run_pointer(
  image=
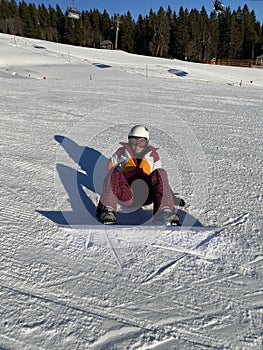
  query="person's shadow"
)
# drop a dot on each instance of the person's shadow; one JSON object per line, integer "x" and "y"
{"x": 93, "y": 170}
{"x": 85, "y": 185}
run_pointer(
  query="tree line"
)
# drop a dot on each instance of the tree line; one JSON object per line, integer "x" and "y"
{"x": 193, "y": 35}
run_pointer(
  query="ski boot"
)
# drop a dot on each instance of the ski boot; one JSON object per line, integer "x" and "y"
{"x": 106, "y": 216}
{"x": 167, "y": 217}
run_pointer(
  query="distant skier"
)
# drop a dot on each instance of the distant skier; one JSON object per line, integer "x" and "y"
{"x": 136, "y": 178}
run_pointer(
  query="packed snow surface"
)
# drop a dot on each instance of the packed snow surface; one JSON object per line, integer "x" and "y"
{"x": 63, "y": 112}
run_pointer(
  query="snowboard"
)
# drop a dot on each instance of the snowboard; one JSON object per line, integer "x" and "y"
{"x": 148, "y": 227}
{"x": 137, "y": 219}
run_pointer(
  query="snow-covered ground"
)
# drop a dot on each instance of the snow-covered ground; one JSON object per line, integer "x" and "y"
{"x": 63, "y": 111}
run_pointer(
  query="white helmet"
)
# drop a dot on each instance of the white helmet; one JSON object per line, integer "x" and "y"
{"x": 139, "y": 131}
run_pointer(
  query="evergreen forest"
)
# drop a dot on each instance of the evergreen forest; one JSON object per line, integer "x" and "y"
{"x": 189, "y": 34}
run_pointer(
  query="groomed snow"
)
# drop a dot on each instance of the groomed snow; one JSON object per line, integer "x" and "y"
{"x": 63, "y": 111}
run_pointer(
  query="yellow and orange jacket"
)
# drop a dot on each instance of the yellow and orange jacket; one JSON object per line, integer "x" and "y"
{"x": 130, "y": 166}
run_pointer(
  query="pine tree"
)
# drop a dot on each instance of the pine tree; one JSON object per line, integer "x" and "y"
{"x": 205, "y": 37}
{"x": 224, "y": 34}
{"x": 213, "y": 37}
{"x": 95, "y": 20}
{"x": 52, "y": 34}
{"x": 251, "y": 36}
{"x": 172, "y": 46}
{"x": 33, "y": 25}
{"x": 159, "y": 45}
{"x": 236, "y": 35}
{"x": 4, "y": 16}
{"x": 181, "y": 34}
{"x": 25, "y": 14}
{"x": 10, "y": 21}
{"x": 259, "y": 43}
{"x": 142, "y": 35}
{"x": 60, "y": 26}
{"x": 105, "y": 26}
{"x": 43, "y": 17}
{"x": 127, "y": 32}
{"x": 196, "y": 36}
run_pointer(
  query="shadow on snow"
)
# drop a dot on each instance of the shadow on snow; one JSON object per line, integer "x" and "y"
{"x": 177, "y": 72}
{"x": 101, "y": 65}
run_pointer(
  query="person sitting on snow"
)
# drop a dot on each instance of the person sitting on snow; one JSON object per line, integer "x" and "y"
{"x": 137, "y": 160}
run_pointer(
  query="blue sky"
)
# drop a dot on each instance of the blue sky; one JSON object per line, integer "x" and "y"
{"x": 143, "y": 7}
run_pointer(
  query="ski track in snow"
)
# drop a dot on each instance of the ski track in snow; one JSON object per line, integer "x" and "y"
{"x": 61, "y": 115}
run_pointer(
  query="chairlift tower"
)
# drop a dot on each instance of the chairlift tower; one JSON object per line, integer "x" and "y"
{"x": 117, "y": 20}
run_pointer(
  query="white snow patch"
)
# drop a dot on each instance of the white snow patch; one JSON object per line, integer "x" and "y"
{"x": 63, "y": 111}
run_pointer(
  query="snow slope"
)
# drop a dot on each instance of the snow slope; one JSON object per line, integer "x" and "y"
{"x": 63, "y": 111}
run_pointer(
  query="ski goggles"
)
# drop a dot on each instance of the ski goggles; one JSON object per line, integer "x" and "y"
{"x": 138, "y": 141}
